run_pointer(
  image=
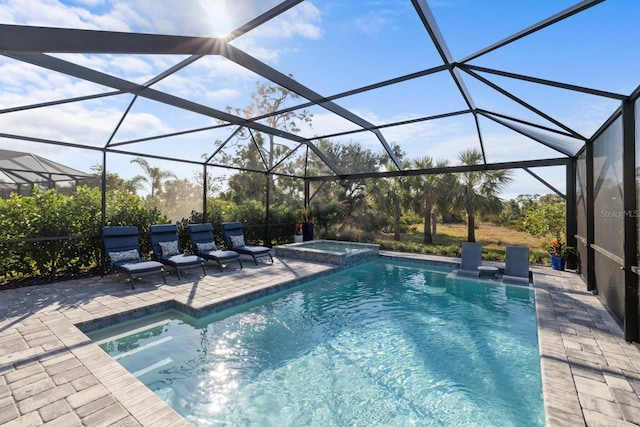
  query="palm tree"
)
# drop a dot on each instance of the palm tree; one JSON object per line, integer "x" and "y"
{"x": 426, "y": 188}
{"x": 388, "y": 194}
{"x": 154, "y": 175}
{"x": 479, "y": 190}
{"x": 445, "y": 188}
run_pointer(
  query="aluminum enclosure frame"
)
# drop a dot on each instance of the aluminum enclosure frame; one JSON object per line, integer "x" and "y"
{"x": 37, "y": 45}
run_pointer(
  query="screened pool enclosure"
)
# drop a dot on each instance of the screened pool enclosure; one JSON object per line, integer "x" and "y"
{"x": 281, "y": 90}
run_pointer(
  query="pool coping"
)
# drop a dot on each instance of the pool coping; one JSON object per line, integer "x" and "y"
{"x": 51, "y": 372}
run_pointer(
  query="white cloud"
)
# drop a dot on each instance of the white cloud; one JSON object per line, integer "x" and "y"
{"x": 375, "y": 23}
{"x": 76, "y": 124}
{"x": 223, "y": 95}
{"x": 24, "y": 84}
{"x": 303, "y": 20}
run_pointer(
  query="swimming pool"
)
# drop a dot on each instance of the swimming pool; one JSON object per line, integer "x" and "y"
{"x": 384, "y": 343}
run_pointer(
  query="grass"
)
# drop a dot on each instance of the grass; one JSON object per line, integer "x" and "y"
{"x": 449, "y": 238}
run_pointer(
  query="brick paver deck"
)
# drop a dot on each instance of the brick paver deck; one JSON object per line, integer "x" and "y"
{"x": 52, "y": 374}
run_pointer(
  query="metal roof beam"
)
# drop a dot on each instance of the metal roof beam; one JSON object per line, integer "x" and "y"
{"x": 285, "y": 157}
{"x": 400, "y": 123}
{"x": 450, "y": 169}
{"x": 151, "y": 82}
{"x": 549, "y": 186}
{"x": 49, "y": 141}
{"x": 78, "y": 71}
{"x": 225, "y": 142}
{"x": 536, "y": 27}
{"x": 477, "y": 123}
{"x": 267, "y": 16}
{"x": 60, "y": 102}
{"x": 515, "y": 129}
{"x": 29, "y": 39}
{"x": 169, "y": 135}
{"x": 361, "y": 89}
{"x": 68, "y": 68}
{"x": 250, "y": 63}
{"x": 524, "y": 122}
{"x": 25, "y": 39}
{"x": 545, "y": 82}
{"x": 431, "y": 25}
{"x": 525, "y": 104}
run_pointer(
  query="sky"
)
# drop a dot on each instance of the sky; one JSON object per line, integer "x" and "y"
{"x": 330, "y": 46}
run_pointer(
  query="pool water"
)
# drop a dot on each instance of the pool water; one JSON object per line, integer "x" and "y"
{"x": 382, "y": 344}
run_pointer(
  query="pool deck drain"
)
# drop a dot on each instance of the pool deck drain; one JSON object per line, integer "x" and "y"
{"x": 52, "y": 374}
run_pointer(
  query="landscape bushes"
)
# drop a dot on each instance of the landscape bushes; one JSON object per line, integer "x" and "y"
{"x": 50, "y": 234}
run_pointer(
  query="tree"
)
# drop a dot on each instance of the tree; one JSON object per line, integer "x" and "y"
{"x": 351, "y": 157}
{"x": 154, "y": 175}
{"x": 426, "y": 189}
{"x": 247, "y": 185}
{"x": 266, "y": 100}
{"x": 180, "y": 197}
{"x": 389, "y": 195}
{"x": 214, "y": 183}
{"x": 115, "y": 182}
{"x": 546, "y": 218}
{"x": 479, "y": 190}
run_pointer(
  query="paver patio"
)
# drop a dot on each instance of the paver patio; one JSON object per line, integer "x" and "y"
{"x": 52, "y": 374}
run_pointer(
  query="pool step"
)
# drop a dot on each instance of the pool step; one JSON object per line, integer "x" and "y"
{"x": 150, "y": 368}
{"x": 143, "y": 347}
{"x": 130, "y": 332}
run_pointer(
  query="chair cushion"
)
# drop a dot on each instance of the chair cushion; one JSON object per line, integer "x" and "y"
{"x": 206, "y": 246}
{"x": 253, "y": 250}
{"x": 237, "y": 241}
{"x": 169, "y": 248}
{"x": 181, "y": 259}
{"x": 124, "y": 255}
{"x": 219, "y": 255}
{"x": 137, "y": 266}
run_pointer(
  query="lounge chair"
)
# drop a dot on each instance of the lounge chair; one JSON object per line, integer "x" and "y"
{"x": 234, "y": 239}
{"x": 470, "y": 260}
{"x": 204, "y": 245}
{"x": 166, "y": 249}
{"x": 122, "y": 253}
{"x": 516, "y": 263}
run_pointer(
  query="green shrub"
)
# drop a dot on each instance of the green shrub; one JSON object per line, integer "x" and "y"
{"x": 61, "y": 233}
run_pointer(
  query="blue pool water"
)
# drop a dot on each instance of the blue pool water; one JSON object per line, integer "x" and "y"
{"x": 381, "y": 344}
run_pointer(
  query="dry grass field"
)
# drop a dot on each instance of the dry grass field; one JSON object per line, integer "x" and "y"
{"x": 490, "y": 235}
{"x": 449, "y": 238}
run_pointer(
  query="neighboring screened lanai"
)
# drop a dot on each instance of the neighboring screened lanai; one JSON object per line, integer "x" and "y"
{"x": 21, "y": 172}
{"x": 545, "y": 88}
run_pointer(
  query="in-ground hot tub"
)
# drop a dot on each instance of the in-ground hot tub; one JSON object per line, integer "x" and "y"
{"x": 329, "y": 251}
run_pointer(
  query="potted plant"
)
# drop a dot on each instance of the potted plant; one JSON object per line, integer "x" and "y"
{"x": 558, "y": 252}
{"x": 297, "y": 237}
{"x": 307, "y": 225}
